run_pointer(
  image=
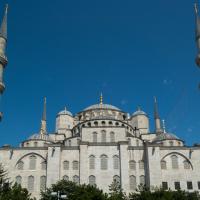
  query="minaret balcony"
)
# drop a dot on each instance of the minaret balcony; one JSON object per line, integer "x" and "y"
{"x": 2, "y": 87}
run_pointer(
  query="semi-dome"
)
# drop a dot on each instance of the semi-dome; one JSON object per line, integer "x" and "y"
{"x": 65, "y": 112}
{"x": 102, "y": 106}
{"x": 165, "y": 136}
{"x": 38, "y": 136}
{"x": 138, "y": 112}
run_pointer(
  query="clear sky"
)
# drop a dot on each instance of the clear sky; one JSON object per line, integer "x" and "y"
{"x": 70, "y": 51}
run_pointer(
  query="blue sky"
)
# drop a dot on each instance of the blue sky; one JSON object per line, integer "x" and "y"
{"x": 70, "y": 51}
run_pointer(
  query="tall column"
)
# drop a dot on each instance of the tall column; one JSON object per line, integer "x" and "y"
{"x": 83, "y": 162}
{"x": 124, "y": 171}
{"x": 53, "y": 165}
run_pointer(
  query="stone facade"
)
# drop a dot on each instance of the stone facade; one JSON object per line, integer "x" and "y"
{"x": 98, "y": 145}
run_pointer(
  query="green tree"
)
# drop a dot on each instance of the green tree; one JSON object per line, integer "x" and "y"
{"x": 9, "y": 191}
{"x": 116, "y": 193}
{"x": 160, "y": 194}
{"x": 74, "y": 191}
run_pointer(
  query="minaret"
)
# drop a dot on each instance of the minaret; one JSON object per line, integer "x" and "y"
{"x": 158, "y": 128}
{"x": 197, "y": 36}
{"x": 101, "y": 99}
{"x": 3, "y": 42}
{"x": 3, "y": 58}
{"x": 43, "y": 129}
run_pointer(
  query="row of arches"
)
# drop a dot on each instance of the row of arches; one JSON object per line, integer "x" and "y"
{"x": 116, "y": 179}
{"x": 103, "y": 162}
{"x": 103, "y": 137}
{"x": 175, "y": 163}
{"x": 32, "y": 164}
{"x": 66, "y": 165}
{"x": 31, "y": 182}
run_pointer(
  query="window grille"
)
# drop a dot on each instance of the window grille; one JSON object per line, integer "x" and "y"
{"x": 19, "y": 180}
{"x": 32, "y": 162}
{"x": 132, "y": 165}
{"x": 142, "y": 180}
{"x": 20, "y": 165}
{"x": 104, "y": 162}
{"x": 92, "y": 180}
{"x": 42, "y": 183}
{"x": 66, "y": 165}
{"x": 75, "y": 165}
{"x": 174, "y": 159}
{"x": 116, "y": 162}
{"x": 30, "y": 183}
{"x": 112, "y": 137}
{"x": 92, "y": 162}
{"x": 163, "y": 164}
{"x": 133, "y": 184}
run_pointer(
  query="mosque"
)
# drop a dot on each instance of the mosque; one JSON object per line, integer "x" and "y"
{"x": 98, "y": 145}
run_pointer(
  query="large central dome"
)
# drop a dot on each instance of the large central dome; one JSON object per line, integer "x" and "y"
{"x": 101, "y": 106}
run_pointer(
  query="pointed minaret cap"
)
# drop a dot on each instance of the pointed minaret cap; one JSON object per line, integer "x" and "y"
{"x": 43, "y": 129}
{"x": 163, "y": 126}
{"x": 156, "y": 114}
{"x": 3, "y": 28}
{"x": 101, "y": 99}
{"x": 44, "y": 115}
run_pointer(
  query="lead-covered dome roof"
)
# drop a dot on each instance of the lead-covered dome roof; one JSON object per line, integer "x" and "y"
{"x": 165, "y": 136}
{"x": 38, "y": 136}
{"x": 102, "y": 106}
{"x": 65, "y": 112}
{"x": 138, "y": 112}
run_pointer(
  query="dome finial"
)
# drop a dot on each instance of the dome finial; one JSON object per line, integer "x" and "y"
{"x": 101, "y": 99}
{"x": 163, "y": 124}
{"x": 139, "y": 108}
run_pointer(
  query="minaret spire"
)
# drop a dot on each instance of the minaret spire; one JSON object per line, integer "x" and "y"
{"x": 3, "y": 58}
{"x": 3, "y": 29}
{"x": 43, "y": 129}
{"x": 158, "y": 128}
{"x": 101, "y": 99}
{"x": 197, "y": 35}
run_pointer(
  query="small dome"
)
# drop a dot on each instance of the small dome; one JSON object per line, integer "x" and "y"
{"x": 102, "y": 106}
{"x": 165, "y": 136}
{"x": 138, "y": 112}
{"x": 39, "y": 137}
{"x": 65, "y": 112}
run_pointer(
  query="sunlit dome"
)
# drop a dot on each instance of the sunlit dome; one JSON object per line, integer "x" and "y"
{"x": 102, "y": 106}
{"x": 138, "y": 112}
{"x": 65, "y": 112}
{"x": 165, "y": 136}
{"x": 38, "y": 136}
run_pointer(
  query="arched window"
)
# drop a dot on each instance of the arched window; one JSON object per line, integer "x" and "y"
{"x": 42, "y": 183}
{"x": 19, "y": 180}
{"x": 116, "y": 179}
{"x": 66, "y": 165}
{"x": 92, "y": 162}
{"x": 92, "y": 180}
{"x": 94, "y": 135}
{"x": 35, "y": 144}
{"x": 76, "y": 179}
{"x": 75, "y": 165}
{"x": 171, "y": 143}
{"x": 66, "y": 178}
{"x": 43, "y": 165}
{"x": 104, "y": 162}
{"x": 186, "y": 164}
{"x": 129, "y": 141}
{"x": 112, "y": 137}
{"x": 142, "y": 180}
{"x": 20, "y": 165}
{"x": 132, "y": 165}
{"x": 96, "y": 123}
{"x": 103, "y": 136}
{"x": 174, "y": 159}
{"x": 137, "y": 143}
{"x": 133, "y": 184}
{"x": 116, "y": 162}
{"x": 30, "y": 183}
{"x": 163, "y": 164}
{"x": 141, "y": 164}
{"x": 32, "y": 163}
